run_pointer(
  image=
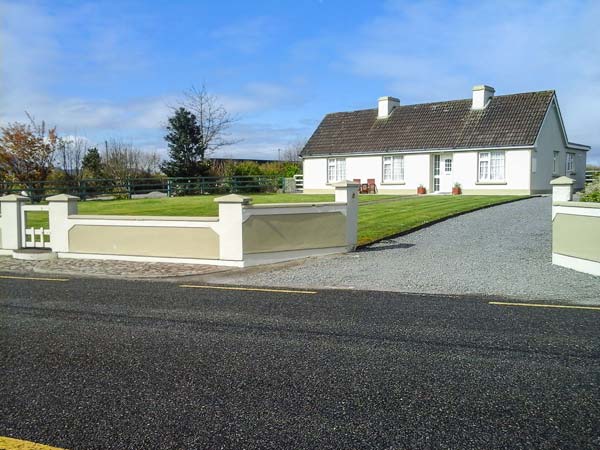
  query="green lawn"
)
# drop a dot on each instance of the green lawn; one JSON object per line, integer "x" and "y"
{"x": 376, "y": 221}
{"x": 379, "y": 215}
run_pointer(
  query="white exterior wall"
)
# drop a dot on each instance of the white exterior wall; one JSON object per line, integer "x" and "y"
{"x": 551, "y": 139}
{"x": 417, "y": 170}
{"x": 580, "y": 166}
{"x": 314, "y": 171}
{"x": 516, "y": 172}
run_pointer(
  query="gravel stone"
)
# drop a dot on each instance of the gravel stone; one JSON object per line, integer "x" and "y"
{"x": 501, "y": 251}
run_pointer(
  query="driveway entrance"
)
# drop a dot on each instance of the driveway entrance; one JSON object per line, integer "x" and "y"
{"x": 502, "y": 251}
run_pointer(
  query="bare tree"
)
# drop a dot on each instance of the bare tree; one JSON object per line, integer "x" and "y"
{"x": 292, "y": 151}
{"x": 212, "y": 117}
{"x": 122, "y": 161}
{"x": 69, "y": 155}
{"x": 149, "y": 163}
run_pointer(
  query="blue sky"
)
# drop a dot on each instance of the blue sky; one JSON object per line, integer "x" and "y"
{"x": 107, "y": 69}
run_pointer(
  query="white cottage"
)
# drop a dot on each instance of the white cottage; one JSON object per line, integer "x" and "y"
{"x": 507, "y": 144}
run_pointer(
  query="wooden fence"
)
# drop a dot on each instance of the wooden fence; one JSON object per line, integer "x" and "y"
{"x": 590, "y": 175}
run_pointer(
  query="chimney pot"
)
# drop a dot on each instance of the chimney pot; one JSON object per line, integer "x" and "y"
{"x": 481, "y": 95}
{"x": 386, "y": 105}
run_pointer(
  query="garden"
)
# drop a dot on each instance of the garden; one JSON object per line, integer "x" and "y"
{"x": 380, "y": 216}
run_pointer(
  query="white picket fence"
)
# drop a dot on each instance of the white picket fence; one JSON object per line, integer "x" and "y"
{"x": 34, "y": 237}
{"x": 299, "y": 179}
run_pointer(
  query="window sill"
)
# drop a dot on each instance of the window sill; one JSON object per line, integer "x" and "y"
{"x": 393, "y": 183}
{"x": 491, "y": 183}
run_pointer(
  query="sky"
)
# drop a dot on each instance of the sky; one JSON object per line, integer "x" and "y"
{"x": 114, "y": 69}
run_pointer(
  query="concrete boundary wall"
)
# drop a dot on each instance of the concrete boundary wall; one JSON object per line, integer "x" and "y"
{"x": 244, "y": 234}
{"x": 575, "y": 230}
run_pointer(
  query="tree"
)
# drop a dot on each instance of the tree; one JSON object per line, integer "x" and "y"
{"x": 292, "y": 151}
{"x": 27, "y": 152}
{"x": 212, "y": 118}
{"x": 69, "y": 156}
{"x": 92, "y": 163}
{"x": 187, "y": 146}
{"x": 121, "y": 160}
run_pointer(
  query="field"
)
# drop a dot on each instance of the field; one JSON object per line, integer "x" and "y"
{"x": 379, "y": 216}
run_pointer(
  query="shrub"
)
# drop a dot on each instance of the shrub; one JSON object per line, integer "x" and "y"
{"x": 592, "y": 191}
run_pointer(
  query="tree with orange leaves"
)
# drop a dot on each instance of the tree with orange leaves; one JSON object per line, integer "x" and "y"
{"x": 27, "y": 152}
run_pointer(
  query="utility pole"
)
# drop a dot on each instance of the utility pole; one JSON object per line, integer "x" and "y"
{"x": 279, "y": 154}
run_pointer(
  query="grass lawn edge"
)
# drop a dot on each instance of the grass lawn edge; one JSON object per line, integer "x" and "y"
{"x": 442, "y": 219}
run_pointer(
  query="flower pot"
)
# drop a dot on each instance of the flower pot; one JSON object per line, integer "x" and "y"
{"x": 456, "y": 191}
{"x": 421, "y": 190}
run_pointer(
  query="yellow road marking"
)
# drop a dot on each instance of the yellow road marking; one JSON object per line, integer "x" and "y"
{"x": 7, "y": 443}
{"x": 538, "y": 305}
{"x": 7, "y": 277}
{"x": 228, "y": 288}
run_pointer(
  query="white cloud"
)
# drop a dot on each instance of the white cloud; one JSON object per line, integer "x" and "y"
{"x": 33, "y": 59}
{"x": 431, "y": 51}
{"x": 261, "y": 140}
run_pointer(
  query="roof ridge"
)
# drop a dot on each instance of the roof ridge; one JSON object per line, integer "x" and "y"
{"x": 546, "y": 91}
{"x": 509, "y": 120}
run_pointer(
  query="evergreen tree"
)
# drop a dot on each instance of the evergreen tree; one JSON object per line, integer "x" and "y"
{"x": 92, "y": 163}
{"x": 186, "y": 146}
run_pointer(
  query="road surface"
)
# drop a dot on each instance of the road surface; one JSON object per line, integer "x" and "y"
{"x": 91, "y": 363}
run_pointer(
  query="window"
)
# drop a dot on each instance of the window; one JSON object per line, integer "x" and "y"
{"x": 491, "y": 166}
{"x": 436, "y": 173}
{"x": 533, "y": 164}
{"x": 555, "y": 162}
{"x": 570, "y": 162}
{"x": 336, "y": 169}
{"x": 448, "y": 165}
{"x": 393, "y": 169}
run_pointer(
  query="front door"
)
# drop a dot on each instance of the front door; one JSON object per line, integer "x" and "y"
{"x": 442, "y": 172}
{"x": 446, "y": 175}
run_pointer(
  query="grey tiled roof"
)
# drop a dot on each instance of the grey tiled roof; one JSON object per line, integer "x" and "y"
{"x": 508, "y": 120}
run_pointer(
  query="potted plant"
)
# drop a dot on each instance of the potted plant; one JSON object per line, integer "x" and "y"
{"x": 421, "y": 190}
{"x": 456, "y": 190}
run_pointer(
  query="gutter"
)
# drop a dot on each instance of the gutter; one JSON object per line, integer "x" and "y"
{"x": 418, "y": 151}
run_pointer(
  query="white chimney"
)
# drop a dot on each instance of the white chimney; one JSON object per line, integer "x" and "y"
{"x": 386, "y": 105}
{"x": 481, "y": 95}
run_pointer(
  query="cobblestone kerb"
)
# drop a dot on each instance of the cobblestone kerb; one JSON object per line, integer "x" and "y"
{"x": 109, "y": 269}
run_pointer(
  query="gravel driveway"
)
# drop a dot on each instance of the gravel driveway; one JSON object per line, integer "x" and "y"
{"x": 501, "y": 251}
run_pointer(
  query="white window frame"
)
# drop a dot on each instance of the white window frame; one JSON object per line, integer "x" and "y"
{"x": 446, "y": 169}
{"x": 570, "y": 163}
{"x": 339, "y": 169}
{"x": 396, "y": 169}
{"x": 488, "y": 157}
{"x": 555, "y": 156}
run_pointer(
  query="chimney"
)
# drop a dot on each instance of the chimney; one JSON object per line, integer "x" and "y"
{"x": 481, "y": 95}
{"x": 386, "y": 105}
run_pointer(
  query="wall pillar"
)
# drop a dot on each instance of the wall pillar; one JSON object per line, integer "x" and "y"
{"x": 231, "y": 212}
{"x": 60, "y": 207}
{"x": 562, "y": 189}
{"x": 347, "y": 192}
{"x": 10, "y": 221}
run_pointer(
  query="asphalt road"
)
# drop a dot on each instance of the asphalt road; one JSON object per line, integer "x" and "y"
{"x": 105, "y": 364}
